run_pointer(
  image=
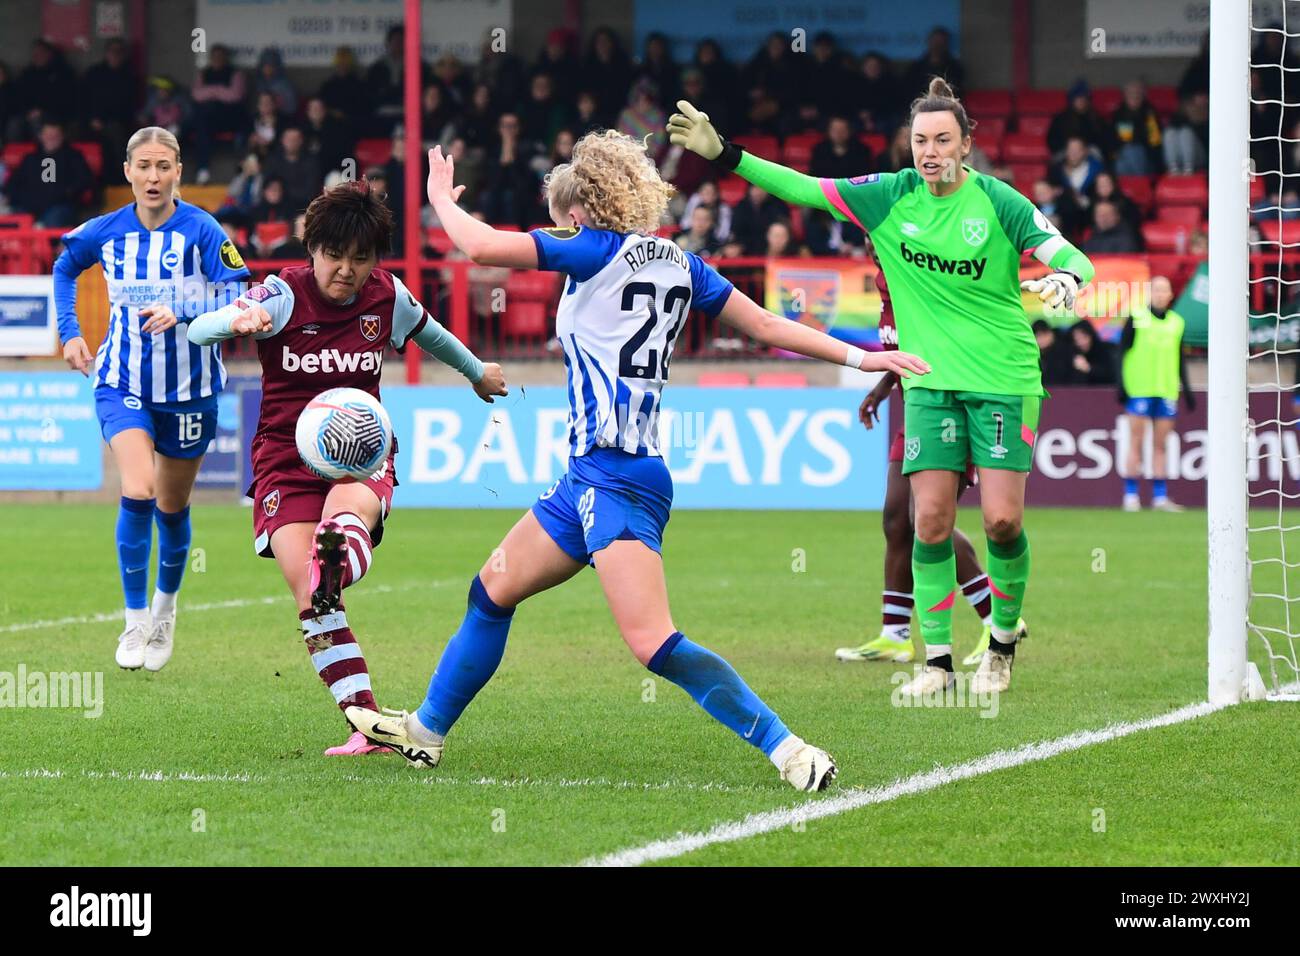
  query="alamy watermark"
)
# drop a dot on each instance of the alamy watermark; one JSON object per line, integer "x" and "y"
{"x": 73, "y": 690}
{"x": 958, "y": 693}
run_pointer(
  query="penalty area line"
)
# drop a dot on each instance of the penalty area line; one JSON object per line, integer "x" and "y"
{"x": 770, "y": 820}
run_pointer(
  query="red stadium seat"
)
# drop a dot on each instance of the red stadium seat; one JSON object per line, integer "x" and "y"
{"x": 987, "y": 103}
{"x": 1019, "y": 148}
{"x": 373, "y": 152}
{"x": 271, "y": 234}
{"x": 1176, "y": 269}
{"x": 1187, "y": 215}
{"x": 531, "y": 285}
{"x": 1040, "y": 102}
{"x": 993, "y": 127}
{"x": 1287, "y": 231}
{"x": 723, "y": 380}
{"x": 1026, "y": 174}
{"x": 1164, "y": 99}
{"x": 93, "y": 153}
{"x": 15, "y": 152}
{"x": 1191, "y": 190}
{"x": 797, "y": 151}
{"x": 17, "y": 220}
{"x": 876, "y": 142}
{"x": 1138, "y": 189}
{"x": 732, "y": 189}
{"x": 781, "y": 380}
{"x": 1166, "y": 236}
{"x": 1034, "y": 126}
{"x": 439, "y": 241}
{"x": 1257, "y": 191}
{"x": 1106, "y": 99}
{"x": 525, "y": 320}
{"x": 766, "y": 147}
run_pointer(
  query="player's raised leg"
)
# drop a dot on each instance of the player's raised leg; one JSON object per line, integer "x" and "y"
{"x": 133, "y": 453}
{"x": 174, "y": 480}
{"x": 527, "y": 562}
{"x": 341, "y": 548}
{"x": 632, "y": 576}
{"x": 1003, "y": 496}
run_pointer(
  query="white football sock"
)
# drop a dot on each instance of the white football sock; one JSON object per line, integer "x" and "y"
{"x": 164, "y": 604}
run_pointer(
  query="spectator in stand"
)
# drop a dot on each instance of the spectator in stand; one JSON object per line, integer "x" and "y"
{"x": 384, "y": 85}
{"x": 700, "y": 238}
{"x": 10, "y": 108}
{"x": 456, "y": 82}
{"x": 658, "y": 69}
{"x": 166, "y": 106}
{"x": 1045, "y": 337}
{"x": 272, "y": 207}
{"x": 1187, "y": 137}
{"x": 478, "y": 125}
{"x": 542, "y": 115}
{"x": 1076, "y": 170}
{"x": 394, "y": 173}
{"x": 708, "y": 196}
{"x": 767, "y": 117}
{"x": 775, "y": 74}
{"x": 1265, "y": 121}
{"x": 1135, "y": 132}
{"x": 720, "y": 77}
{"x": 51, "y": 200}
{"x": 1105, "y": 188}
{"x": 1058, "y": 205}
{"x": 510, "y": 189}
{"x": 561, "y": 152}
{"x": 607, "y": 73}
{"x": 899, "y": 154}
{"x": 588, "y": 117}
{"x": 1198, "y": 244}
{"x": 840, "y": 154}
{"x": 877, "y": 95}
{"x": 45, "y": 89}
{"x": 218, "y": 94}
{"x": 695, "y": 89}
{"x": 1110, "y": 234}
{"x": 327, "y": 138}
{"x": 1082, "y": 358}
{"x": 826, "y": 85}
{"x": 344, "y": 92}
{"x": 245, "y": 190}
{"x": 1273, "y": 58}
{"x": 749, "y": 222}
{"x": 498, "y": 69}
{"x": 780, "y": 242}
{"x": 271, "y": 78}
{"x": 557, "y": 61}
{"x": 437, "y": 116}
{"x": 642, "y": 117}
{"x": 1196, "y": 78}
{"x": 299, "y": 169}
{"x": 109, "y": 100}
{"x": 293, "y": 247}
{"x": 1078, "y": 119}
{"x": 264, "y": 127}
{"x": 936, "y": 61}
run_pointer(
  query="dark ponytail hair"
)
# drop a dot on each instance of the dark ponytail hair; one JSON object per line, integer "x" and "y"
{"x": 939, "y": 98}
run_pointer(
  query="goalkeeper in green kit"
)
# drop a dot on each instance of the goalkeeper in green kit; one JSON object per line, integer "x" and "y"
{"x": 949, "y": 240}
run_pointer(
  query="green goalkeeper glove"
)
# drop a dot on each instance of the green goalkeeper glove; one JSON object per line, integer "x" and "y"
{"x": 692, "y": 130}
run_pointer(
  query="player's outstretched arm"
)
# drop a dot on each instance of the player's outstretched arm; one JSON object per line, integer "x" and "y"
{"x": 691, "y": 129}
{"x": 745, "y": 315}
{"x": 483, "y": 244}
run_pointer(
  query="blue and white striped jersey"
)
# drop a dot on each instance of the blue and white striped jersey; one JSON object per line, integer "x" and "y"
{"x": 187, "y": 264}
{"x": 623, "y": 307}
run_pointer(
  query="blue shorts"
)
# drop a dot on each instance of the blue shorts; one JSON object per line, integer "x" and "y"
{"x": 178, "y": 429}
{"x": 1152, "y": 407}
{"x": 607, "y": 495}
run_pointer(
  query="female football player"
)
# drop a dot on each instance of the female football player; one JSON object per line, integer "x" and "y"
{"x": 155, "y": 393}
{"x": 320, "y": 326}
{"x": 627, "y": 298}
{"x": 950, "y": 241}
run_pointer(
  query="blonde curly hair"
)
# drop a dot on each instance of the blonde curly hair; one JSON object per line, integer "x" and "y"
{"x": 613, "y": 178}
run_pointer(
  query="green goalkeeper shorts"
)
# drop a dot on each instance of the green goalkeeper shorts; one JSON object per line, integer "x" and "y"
{"x": 944, "y": 430}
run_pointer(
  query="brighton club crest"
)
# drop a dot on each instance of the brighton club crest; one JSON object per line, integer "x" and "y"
{"x": 370, "y": 327}
{"x": 975, "y": 231}
{"x": 271, "y": 503}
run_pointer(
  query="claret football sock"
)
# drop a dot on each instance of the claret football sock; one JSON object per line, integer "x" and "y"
{"x": 1008, "y": 566}
{"x": 359, "y": 547}
{"x": 174, "y": 537}
{"x": 895, "y": 613}
{"x": 979, "y": 597}
{"x": 468, "y": 661}
{"x": 134, "y": 537}
{"x": 337, "y": 657}
{"x": 715, "y": 686}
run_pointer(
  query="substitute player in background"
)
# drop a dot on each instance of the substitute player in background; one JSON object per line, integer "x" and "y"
{"x": 627, "y": 298}
{"x": 320, "y": 326}
{"x": 1151, "y": 373}
{"x": 950, "y": 240}
{"x": 164, "y": 261}
{"x": 894, "y": 643}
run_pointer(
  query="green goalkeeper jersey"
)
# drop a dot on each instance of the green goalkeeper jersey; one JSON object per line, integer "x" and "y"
{"x": 953, "y": 264}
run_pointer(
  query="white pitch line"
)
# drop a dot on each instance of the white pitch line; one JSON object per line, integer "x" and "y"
{"x": 213, "y": 606}
{"x": 770, "y": 820}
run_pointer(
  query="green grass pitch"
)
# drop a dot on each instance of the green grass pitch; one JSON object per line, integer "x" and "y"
{"x": 574, "y": 751}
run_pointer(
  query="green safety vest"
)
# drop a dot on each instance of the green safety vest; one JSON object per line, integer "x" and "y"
{"x": 1151, "y": 364}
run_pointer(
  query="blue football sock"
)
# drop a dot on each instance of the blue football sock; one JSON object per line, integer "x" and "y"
{"x": 1158, "y": 488}
{"x": 134, "y": 536}
{"x": 715, "y": 686}
{"x": 1130, "y": 486}
{"x": 468, "y": 662}
{"x": 173, "y": 548}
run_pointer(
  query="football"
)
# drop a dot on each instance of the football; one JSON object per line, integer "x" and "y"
{"x": 344, "y": 433}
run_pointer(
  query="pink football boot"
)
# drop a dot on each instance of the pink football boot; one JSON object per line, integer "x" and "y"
{"x": 357, "y": 745}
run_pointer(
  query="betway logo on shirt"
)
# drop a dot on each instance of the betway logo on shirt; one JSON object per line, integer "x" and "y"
{"x": 331, "y": 360}
{"x": 958, "y": 267}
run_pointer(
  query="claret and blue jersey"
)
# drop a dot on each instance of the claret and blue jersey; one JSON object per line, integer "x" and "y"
{"x": 623, "y": 307}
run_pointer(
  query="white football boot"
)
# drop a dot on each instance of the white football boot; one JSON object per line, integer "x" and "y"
{"x": 809, "y": 768}
{"x": 391, "y": 729}
{"x": 159, "y": 649}
{"x": 928, "y": 680}
{"x": 1132, "y": 503}
{"x": 130, "y": 645}
{"x": 1166, "y": 504}
{"x": 994, "y": 674}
